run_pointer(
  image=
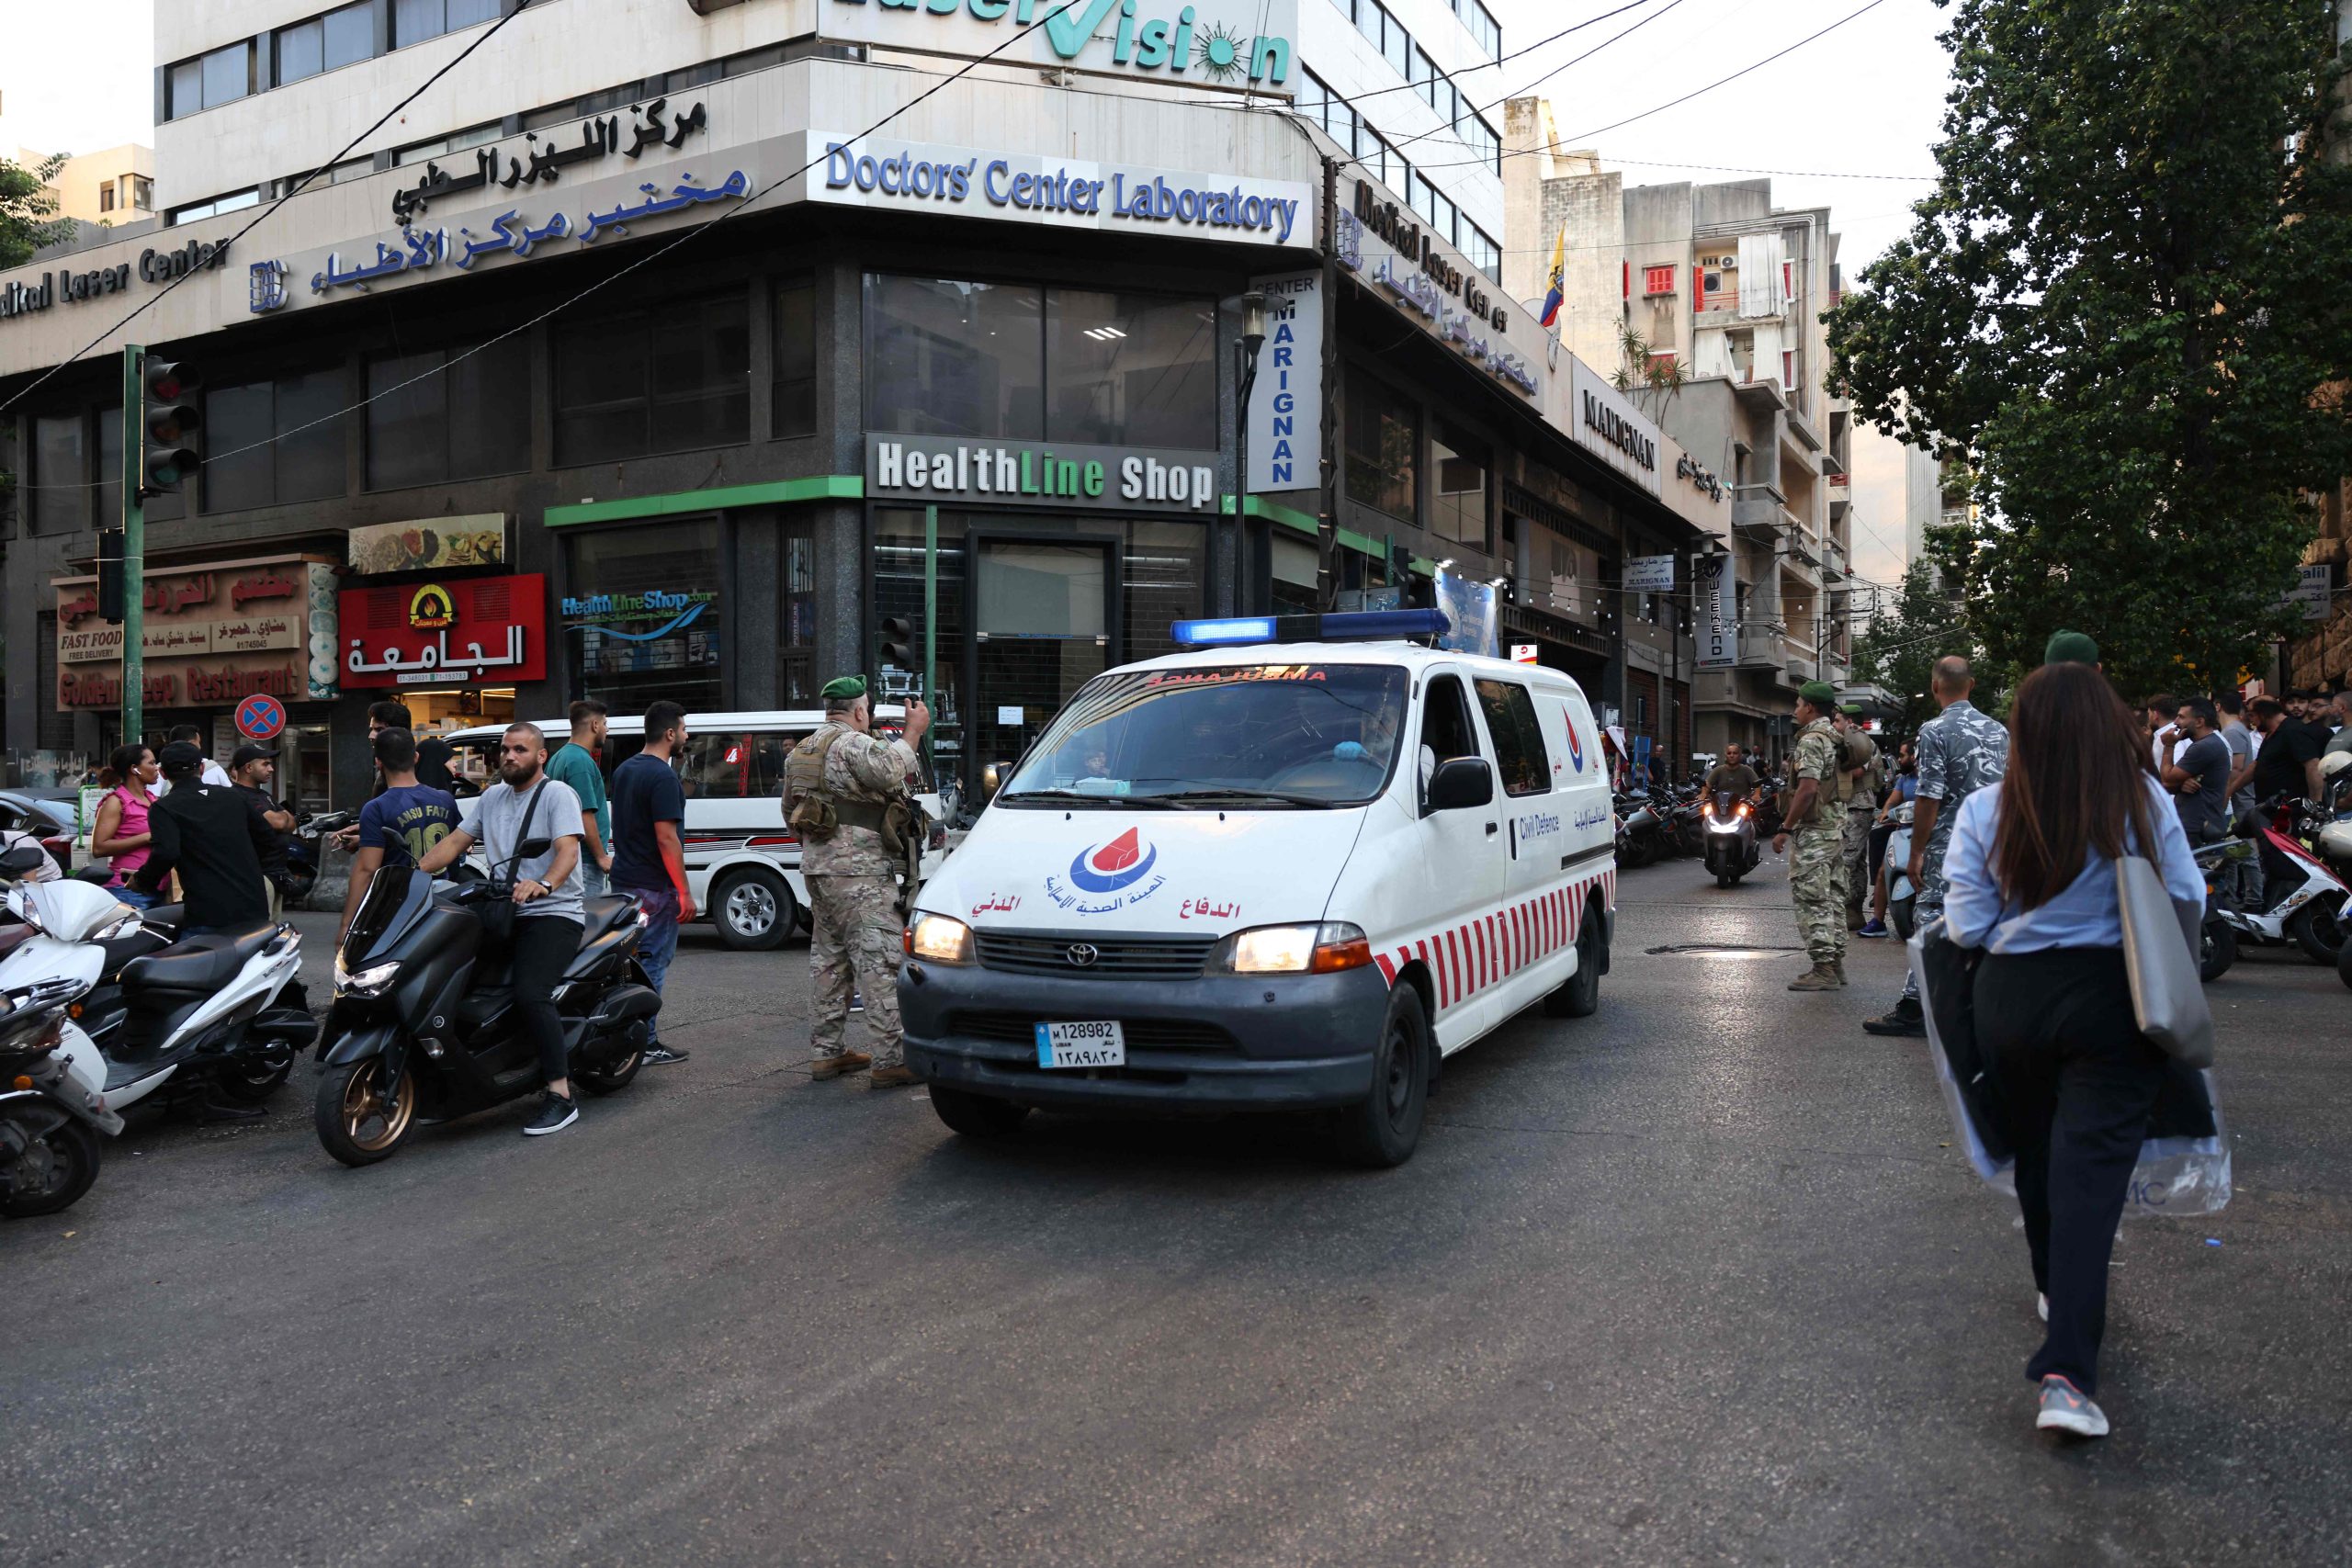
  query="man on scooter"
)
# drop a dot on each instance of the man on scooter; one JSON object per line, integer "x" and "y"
{"x": 1732, "y": 773}
{"x": 549, "y": 898}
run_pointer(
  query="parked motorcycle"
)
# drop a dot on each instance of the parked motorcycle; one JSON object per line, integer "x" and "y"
{"x": 303, "y": 857}
{"x": 2300, "y": 903}
{"x": 1902, "y": 897}
{"x": 1641, "y": 834}
{"x": 1733, "y": 849}
{"x": 52, "y": 1100}
{"x": 425, "y": 1026}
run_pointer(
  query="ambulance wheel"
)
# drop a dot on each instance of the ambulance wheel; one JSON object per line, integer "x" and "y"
{"x": 753, "y": 909}
{"x": 1580, "y": 997}
{"x": 1383, "y": 1130}
{"x": 975, "y": 1115}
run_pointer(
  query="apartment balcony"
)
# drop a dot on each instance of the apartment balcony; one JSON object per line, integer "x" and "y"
{"x": 1763, "y": 647}
{"x": 1801, "y": 426}
{"x": 1841, "y": 490}
{"x": 1800, "y": 660}
{"x": 1759, "y": 396}
{"x": 1835, "y": 561}
{"x": 1760, "y": 512}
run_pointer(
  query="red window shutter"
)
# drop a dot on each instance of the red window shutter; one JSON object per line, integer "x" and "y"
{"x": 1629, "y": 279}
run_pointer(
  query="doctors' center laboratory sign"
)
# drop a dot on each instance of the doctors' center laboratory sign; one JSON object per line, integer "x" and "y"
{"x": 1244, "y": 45}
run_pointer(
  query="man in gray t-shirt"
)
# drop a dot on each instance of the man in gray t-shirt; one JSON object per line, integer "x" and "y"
{"x": 548, "y": 898}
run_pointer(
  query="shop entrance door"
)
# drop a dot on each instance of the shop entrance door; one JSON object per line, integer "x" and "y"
{"x": 1043, "y": 619}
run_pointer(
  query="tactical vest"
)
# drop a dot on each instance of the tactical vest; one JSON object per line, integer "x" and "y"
{"x": 811, "y": 808}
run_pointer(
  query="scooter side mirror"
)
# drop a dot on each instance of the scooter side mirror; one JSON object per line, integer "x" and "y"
{"x": 532, "y": 849}
{"x": 21, "y": 860}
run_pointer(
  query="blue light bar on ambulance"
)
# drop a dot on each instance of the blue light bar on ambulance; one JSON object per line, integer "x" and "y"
{"x": 1346, "y": 626}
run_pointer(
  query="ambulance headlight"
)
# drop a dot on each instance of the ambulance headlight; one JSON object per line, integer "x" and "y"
{"x": 940, "y": 939}
{"x": 1322, "y": 949}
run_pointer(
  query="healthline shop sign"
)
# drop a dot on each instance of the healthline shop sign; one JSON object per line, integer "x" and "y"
{"x": 1241, "y": 44}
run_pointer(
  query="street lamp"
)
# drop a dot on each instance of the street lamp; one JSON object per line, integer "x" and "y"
{"x": 1253, "y": 338}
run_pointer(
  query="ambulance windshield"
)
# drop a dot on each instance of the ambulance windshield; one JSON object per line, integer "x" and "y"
{"x": 1278, "y": 735}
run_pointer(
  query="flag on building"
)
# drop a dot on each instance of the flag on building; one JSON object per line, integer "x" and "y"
{"x": 1556, "y": 285}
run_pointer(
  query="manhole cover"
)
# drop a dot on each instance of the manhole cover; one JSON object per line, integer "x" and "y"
{"x": 1724, "y": 947}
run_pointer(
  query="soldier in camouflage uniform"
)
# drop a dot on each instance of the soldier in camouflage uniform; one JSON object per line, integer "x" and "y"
{"x": 853, "y": 890}
{"x": 1961, "y": 751}
{"x": 1858, "y": 791}
{"x": 1817, "y": 869}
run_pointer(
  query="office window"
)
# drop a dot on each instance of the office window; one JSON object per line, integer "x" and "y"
{"x": 211, "y": 80}
{"x": 448, "y": 414}
{"x": 666, "y": 381}
{"x": 233, "y": 201}
{"x": 1484, "y": 28}
{"x": 1484, "y": 254}
{"x": 1129, "y": 370}
{"x": 794, "y": 410}
{"x": 1397, "y": 45}
{"x": 271, "y": 442}
{"x": 1458, "y": 511}
{"x": 340, "y": 37}
{"x": 60, "y": 470}
{"x": 414, "y": 21}
{"x": 143, "y": 193}
{"x": 950, "y": 359}
{"x": 441, "y": 146}
{"x": 1383, "y": 439}
{"x": 1368, "y": 18}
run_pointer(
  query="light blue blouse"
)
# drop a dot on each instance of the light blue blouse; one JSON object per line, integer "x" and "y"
{"x": 2085, "y": 915}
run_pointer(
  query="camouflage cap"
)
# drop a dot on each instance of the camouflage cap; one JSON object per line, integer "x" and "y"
{"x": 843, "y": 689}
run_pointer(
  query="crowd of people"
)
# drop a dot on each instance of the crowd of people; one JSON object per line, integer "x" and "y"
{"x": 2016, "y": 829}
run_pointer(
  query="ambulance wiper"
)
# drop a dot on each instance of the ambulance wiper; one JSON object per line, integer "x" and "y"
{"x": 1084, "y": 797}
{"x": 1228, "y": 794}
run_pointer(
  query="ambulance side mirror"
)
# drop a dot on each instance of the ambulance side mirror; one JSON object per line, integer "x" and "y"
{"x": 1460, "y": 783}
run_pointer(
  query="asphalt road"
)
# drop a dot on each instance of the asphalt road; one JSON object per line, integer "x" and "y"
{"x": 1696, "y": 1280}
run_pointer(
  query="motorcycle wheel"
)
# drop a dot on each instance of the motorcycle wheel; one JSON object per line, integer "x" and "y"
{"x": 253, "y": 1088}
{"x": 1726, "y": 879}
{"x": 1900, "y": 911}
{"x": 2319, "y": 932}
{"x": 2218, "y": 949}
{"x": 608, "y": 1080}
{"x": 353, "y": 1127}
{"x": 72, "y": 1166}
{"x": 2344, "y": 964}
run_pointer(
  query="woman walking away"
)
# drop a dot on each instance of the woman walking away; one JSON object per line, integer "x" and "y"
{"x": 2032, "y": 881}
{"x": 121, "y": 833}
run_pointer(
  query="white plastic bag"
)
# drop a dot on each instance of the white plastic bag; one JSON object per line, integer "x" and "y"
{"x": 2174, "y": 1176}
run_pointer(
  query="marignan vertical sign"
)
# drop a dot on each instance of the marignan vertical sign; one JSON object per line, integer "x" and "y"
{"x": 1718, "y": 636}
{"x": 1286, "y": 402}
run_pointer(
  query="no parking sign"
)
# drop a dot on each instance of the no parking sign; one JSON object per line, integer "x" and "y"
{"x": 260, "y": 717}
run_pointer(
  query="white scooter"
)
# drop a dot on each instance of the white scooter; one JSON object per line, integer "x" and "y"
{"x": 1901, "y": 900}
{"x": 199, "y": 1012}
{"x": 53, "y": 1081}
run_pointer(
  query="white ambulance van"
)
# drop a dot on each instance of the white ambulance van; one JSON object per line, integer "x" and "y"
{"x": 1263, "y": 875}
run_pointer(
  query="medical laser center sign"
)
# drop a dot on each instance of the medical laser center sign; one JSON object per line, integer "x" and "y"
{"x": 1069, "y": 193}
{"x": 1243, "y": 45}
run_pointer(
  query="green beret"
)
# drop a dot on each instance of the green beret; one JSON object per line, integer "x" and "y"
{"x": 843, "y": 689}
{"x": 2070, "y": 648}
{"x": 1853, "y": 710}
{"x": 1820, "y": 693}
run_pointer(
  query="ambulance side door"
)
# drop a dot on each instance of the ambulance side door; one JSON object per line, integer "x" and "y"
{"x": 1463, "y": 865}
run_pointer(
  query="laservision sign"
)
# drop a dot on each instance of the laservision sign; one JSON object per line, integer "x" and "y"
{"x": 1236, "y": 44}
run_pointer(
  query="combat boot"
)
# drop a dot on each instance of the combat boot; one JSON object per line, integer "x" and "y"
{"x": 1838, "y": 967}
{"x": 1820, "y": 977}
{"x": 899, "y": 1076}
{"x": 823, "y": 1068}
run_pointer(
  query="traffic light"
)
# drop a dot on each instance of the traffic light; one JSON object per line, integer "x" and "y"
{"x": 168, "y": 455}
{"x": 110, "y": 575}
{"x": 898, "y": 643}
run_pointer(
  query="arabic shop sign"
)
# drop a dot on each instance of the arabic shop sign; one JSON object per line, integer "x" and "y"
{"x": 1065, "y": 193}
{"x": 1377, "y": 241}
{"x": 461, "y": 632}
{"x": 504, "y": 165}
{"x": 421, "y": 249}
{"x": 1606, "y": 423}
{"x": 1214, "y": 43}
{"x": 1040, "y": 473}
{"x": 212, "y": 636}
{"x": 152, "y": 266}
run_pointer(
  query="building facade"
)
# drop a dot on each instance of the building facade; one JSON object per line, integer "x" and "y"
{"x": 639, "y": 364}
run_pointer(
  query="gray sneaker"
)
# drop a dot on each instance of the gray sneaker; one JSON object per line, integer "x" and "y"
{"x": 2066, "y": 1408}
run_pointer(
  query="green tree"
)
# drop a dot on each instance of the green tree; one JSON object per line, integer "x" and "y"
{"x": 28, "y": 212}
{"x": 1899, "y": 649}
{"x": 2123, "y": 303}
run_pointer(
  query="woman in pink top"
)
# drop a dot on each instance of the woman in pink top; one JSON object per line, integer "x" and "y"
{"x": 120, "y": 832}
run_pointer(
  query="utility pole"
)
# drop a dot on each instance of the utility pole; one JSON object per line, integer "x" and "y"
{"x": 929, "y": 632}
{"x": 1327, "y": 521}
{"x": 134, "y": 548}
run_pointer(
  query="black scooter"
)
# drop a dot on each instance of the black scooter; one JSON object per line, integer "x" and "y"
{"x": 425, "y": 1026}
{"x": 1732, "y": 850}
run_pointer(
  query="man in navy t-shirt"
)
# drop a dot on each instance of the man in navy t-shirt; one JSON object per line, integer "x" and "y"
{"x": 400, "y": 824}
{"x": 649, "y": 856}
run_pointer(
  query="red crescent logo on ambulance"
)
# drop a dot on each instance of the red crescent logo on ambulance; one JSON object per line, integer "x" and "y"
{"x": 1122, "y": 862}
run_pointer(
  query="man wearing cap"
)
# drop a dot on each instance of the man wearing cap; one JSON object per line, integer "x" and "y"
{"x": 216, "y": 840}
{"x": 1817, "y": 869}
{"x": 251, "y": 768}
{"x": 1961, "y": 751}
{"x": 839, "y": 785}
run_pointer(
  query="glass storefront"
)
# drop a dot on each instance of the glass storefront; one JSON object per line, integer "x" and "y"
{"x": 1029, "y": 609}
{"x": 640, "y": 615}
